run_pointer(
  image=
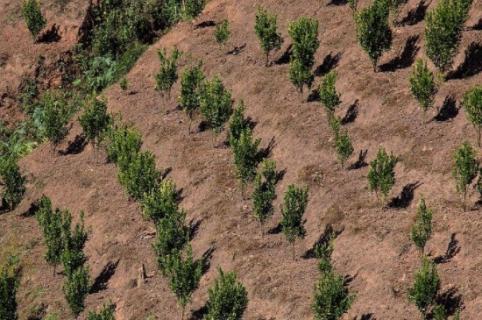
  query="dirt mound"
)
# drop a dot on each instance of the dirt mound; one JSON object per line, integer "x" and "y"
{"x": 373, "y": 250}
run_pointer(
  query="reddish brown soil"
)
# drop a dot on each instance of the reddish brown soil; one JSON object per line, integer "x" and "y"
{"x": 374, "y": 247}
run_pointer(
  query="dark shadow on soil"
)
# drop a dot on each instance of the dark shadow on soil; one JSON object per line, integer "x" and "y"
{"x": 75, "y": 147}
{"x": 237, "y": 50}
{"x": 405, "y": 197}
{"x": 50, "y": 35}
{"x": 329, "y": 63}
{"x": 205, "y": 24}
{"x": 472, "y": 64}
{"x": 451, "y": 299}
{"x": 351, "y": 114}
{"x": 101, "y": 281}
{"x": 328, "y": 234}
{"x": 415, "y": 15}
{"x": 406, "y": 57}
{"x": 361, "y": 162}
{"x": 453, "y": 248}
{"x": 448, "y": 110}
{"x": 285, "y": 57}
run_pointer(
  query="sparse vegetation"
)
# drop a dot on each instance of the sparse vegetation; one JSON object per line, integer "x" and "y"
{"x": 106, "y": 313}
{"x": 32, "y": 14}
{"x": 264, "y": 191}
{"x": 191, "y": 82}
{"x": 304, "y": 35}
{"x": 425, "y": 286}
{"x": 472, "y": 103}
{"x": 266, "y": 30}
{"x": 422, "y": 85}
{"x": 422, "y": 228}
{"x": 167, "y": 75}
{"x": 373, "y": 30}
{"x": 381, "y": 176}
{"x": 227, "y": 298}
{"x": 293, "y": 209}
{"x": 222, "y": 32}
{"x": 465, "y": 168}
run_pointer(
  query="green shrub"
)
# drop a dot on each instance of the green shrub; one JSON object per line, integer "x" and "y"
{"x": 9, "y": 281}
{"x": 51, "y": 223}
{"x": 184, "y": 275}
{"x": 216, "y": 104}
{"x": 12, "y": 182}
{"x": 422, "y": 85}
{"x": 106, "y": 313}
{"x": 443, "y": 28}
{"x": 172, "y": 236}
{"x": 140, "y": 176}
{"x": 193, "y": 8}
{"x": 76, "y": 287}
{"x": 237, "y": 123}
{"x": 293, "y": 209}
{"x": 264, "y": 191}
{"x": 323, "y": 252}
{"x": 227, "y": 298}
{"x": 123, "y": 145}
{"x": 329, "y": 97}
{"x": 191, "y": 82}
{"x": 123, "y": 84}
{"x": 73, "y": 241}
{"x": 266, "y": 30}
{"x": 56, "y": 114}
{"x": 160, "y": 202}
{"x": 167, "y": 75}
{"x": 343, "y": 146}
{"x": 373, "y": 30}
{"x": 99, "y": 72}
{"x": 381, "y": 176}
{"x": 33, "y": 16}
{"x": 422, "y": 228}
{"x": 472, "y": 103}
{"x": 465, "y": 168}
{"x": 304, "y": 35}
{"x": 439, "y": 312}
{"x": 222, "y": 32}
{"x": 246, "y": 157}
{"x": 95, "y": 121}
{"x": 331, "y": 298}
{"x": 425, "y": 286}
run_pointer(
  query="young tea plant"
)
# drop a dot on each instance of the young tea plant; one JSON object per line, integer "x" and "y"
{"x": 216, "y": 104}
{"x": 106, "y": 313}
{"x": 331, "y": 297}
{"x": 329, "y": 97}
{"x": 33, "y": 16}
{"x": 237, "y": 123}
{"x": 373, "y": 30}
{"x": 222, "y": 32}
{"x": 266, "y": 30}
{"x": 343, "y": 146}
{"x": 422, "y": 228}
{"x": 472, "y": 104}
{"x": 167, "y": 75}
{"x": 95, "y": 121}
{"x": 264, "y": 192}
{"x": 12, "y": 182}
{"x": 246, "y": 157}
{"x": 227, "y": 298}
{"x": 9, "y": 281}
{"x": 423, "y": 85}
{"x": 160, "y": 202}
{"x": 123, "y": 145}
{"x": 381, "y": 176}
{"x": 425, "y": 287}
{"x": 465, "y": 169}
{"x": 293, "y": 209}
{"x": 76, "y": 287}
{"x": 304, "y": 35}
{"x": 191, "y": 82}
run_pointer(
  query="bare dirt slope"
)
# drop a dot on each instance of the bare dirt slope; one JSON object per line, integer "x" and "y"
{"x": 373, "y": 248}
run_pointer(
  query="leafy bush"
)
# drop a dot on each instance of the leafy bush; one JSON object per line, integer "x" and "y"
{"x": 222, "y": 32}
{"x": 140, "y": 176}
{"x": 373, "y": 30}
{"x": 12, "y": 182}
{"x": 51, "y": 223}
{"x": 422, "y": 228}
{"x": 443, "y": 28}
{"x": 9, "y": 274}
{"x": 191, "y": 81}
{"x": 304, "y": 35}
{"x": 76, "y": 287}
{"x": 472, "y": 104}
{"x": 73, "y": 242}
{"x": 33, "y": 16}
{"x": 167, "y": 75}
{"x": 160, "y": 202}
{"x": 293, "y": 209}
{"x": 246, "y": 158}
{"x": 264, "y": 191}
{"x": 465, "y": 168}
{"x": 381, "y": 176}
{"x": 425, "y": 286}
{"x": 422, "y": 84}
{"x": 55, "y": 116}
{"x": 343, "y": 146}
{"x": 106, "y": 313}
{"x": 227, "y": 298}
{"x": 237, "y": 123}
{"x": 266, "y": 30}
{"x": 184, "y": 275}
{"x": 216, "y": 104}
{"x": 172, "y": 236}
{"x": 331, "y": 298}
{"x": 329, "y": 97}
{"x": 123, "y": 145}
{"x": 95, "y": 121}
